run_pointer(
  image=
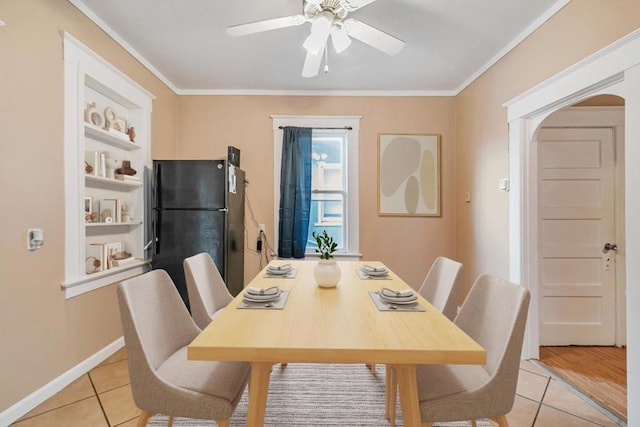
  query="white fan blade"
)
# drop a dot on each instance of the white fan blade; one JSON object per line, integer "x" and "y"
{"x": 373, "y": 37}
{"x": 312, "y": 64}
{"x": 340, "y": 39}
{"x": 322, "y": 25}
{"x": 266, "y": 25}
{"x": 352, "y": 5}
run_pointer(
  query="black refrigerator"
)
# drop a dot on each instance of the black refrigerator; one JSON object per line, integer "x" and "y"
{"x": 198, "y": 206}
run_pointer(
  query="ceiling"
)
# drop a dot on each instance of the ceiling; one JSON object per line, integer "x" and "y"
{"x": 448, "y": 44}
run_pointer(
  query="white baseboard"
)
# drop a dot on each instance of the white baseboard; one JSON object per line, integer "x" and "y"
{"x": 14, "y": 412}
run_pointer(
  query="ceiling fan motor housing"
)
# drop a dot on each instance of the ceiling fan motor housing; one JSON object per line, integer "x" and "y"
{"x": 311, "y": 9}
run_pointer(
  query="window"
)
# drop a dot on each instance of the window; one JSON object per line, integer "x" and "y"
{"x": 334, "y": 200}
{"x": 328, "y": 186}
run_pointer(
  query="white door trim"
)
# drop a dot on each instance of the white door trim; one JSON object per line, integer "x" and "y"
{"x": 613, "y": 70}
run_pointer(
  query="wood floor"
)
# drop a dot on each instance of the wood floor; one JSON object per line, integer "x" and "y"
{"x": 599, "y": 372}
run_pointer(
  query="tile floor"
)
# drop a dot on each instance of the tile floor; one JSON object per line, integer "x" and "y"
{"x": 103, "y": 398}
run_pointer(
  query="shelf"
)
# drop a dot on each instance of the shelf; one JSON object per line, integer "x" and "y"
{"x": 92, "y": 179}
{"x": 89, "y": 282}
{"x": 112, "y": 224}
{"x": 111, "y": 138}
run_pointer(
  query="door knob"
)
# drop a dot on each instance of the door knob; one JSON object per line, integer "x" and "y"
{"x": 609, "y": 247}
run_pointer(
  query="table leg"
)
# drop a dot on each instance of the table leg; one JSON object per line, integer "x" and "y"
{"x": 406, "y": 375}
{"x": 258, "y": 388}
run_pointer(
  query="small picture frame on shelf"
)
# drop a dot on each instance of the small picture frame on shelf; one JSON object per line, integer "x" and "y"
{"x": 112, "y": 250}
{"x": 89, "y": 214}
{"x": 120, "y": 125}
{"x": 108, "y": 210}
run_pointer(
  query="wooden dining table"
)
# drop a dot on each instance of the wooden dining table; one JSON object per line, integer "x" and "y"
{"x": 333, "y": 325}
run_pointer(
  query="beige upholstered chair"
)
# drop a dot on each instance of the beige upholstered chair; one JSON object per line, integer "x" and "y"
{"x": 441, "y": 286}
{"x": 157, "y": 329}
{"x": 207, "y": 291}
{"x": 494, "y": 315}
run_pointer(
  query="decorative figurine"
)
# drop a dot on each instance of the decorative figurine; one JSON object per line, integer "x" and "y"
{"x": 132, "y": 134}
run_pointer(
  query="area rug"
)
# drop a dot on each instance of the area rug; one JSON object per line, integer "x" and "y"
{"x": 312, "y": 395}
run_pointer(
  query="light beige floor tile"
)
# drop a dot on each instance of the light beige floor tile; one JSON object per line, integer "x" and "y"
{"x": 110, "y": 376}
{"x": 118, "y": 405}
{"x": 560, "y": 397}
{"x": 529, "y": 366}
{"x": 115, "y": 357}
{"x": 523, "y": 413}
{"x": 77, "y": 390}
{"x": 84, "y": 413}
{"x": 550, "y": 417}
{"x": 130, "y": 423}
{"x": 531, "y": 386}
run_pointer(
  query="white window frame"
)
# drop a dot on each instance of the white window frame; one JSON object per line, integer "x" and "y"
{"x": 351, "y": 221}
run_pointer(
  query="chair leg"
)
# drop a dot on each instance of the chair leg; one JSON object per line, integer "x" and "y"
{"x": 283, "y": 364}
{"x": 473, "y": 423}
{"x": 427, "y": 424}
{"x": 501, "y": 420}
{"x": 391, "y": 393}
{"x": 372, "y": 367}
{"x": 144, "y": 417}
{"x": 222, "y": 423}
{"x": 170, "y": 423}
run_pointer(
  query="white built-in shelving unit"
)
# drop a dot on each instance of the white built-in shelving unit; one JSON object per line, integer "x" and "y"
{"x": 89, "y": 79}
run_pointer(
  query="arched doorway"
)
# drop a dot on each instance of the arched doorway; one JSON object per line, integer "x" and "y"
{"x": 614, "y": 70}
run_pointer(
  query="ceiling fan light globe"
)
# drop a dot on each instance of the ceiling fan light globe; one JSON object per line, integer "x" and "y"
{"x": 340, "y": 39}
{"x": 323, "y": 22}
{"x": 314, "y": 43}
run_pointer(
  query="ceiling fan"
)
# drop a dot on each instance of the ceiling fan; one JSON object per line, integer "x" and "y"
{"x": 327, "y": 18}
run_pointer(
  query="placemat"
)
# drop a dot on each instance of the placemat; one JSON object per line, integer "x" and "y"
{"x": 290, "y": 275}
{"x": 387, "y": 306}
{"x": 277, "y": 304}
{"x": 364, "y": 276}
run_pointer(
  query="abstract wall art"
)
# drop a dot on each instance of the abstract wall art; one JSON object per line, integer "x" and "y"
{"x": 409, "y": 175}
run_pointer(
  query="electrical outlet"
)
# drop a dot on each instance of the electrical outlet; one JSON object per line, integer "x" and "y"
{"x": 261, "y": 228}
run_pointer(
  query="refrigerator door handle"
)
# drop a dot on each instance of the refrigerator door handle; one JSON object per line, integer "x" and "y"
{"x": 158, "y": 186}
{"x": 156, "y": 234}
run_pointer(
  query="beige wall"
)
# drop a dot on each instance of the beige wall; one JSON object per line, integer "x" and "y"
{"x": 42, "y": 335}
{"x": 408, "y": 245}
{"x": 578, "y": 30}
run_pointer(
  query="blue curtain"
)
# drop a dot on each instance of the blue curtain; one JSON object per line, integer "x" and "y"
{"x": 295, "y": 192}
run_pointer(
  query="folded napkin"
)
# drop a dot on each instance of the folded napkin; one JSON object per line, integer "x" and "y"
{"x": 370, "y": 269}
{"x": 405, "y": 293}
{"x": 272, "y": 291}
{"x": 283, "y": 267}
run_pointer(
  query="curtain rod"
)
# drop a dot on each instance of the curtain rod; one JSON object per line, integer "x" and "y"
{"x": 344, "y": 127}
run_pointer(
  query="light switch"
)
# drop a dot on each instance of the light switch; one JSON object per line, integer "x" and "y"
{"x": 467, "y": 196}
{"x": 503, "y": 184}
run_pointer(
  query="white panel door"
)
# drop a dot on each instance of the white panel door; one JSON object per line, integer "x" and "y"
{"x": 576, "y": 211}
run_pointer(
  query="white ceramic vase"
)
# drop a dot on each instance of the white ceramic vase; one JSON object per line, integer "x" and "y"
{"x": 110, "y": 165}
{"x": 327, "y": 273}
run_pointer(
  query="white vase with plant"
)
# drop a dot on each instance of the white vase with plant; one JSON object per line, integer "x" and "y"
{"x": 327, "y": 271}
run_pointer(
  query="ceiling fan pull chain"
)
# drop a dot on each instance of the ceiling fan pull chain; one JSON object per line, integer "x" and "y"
{"x": 326, "y": 59}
